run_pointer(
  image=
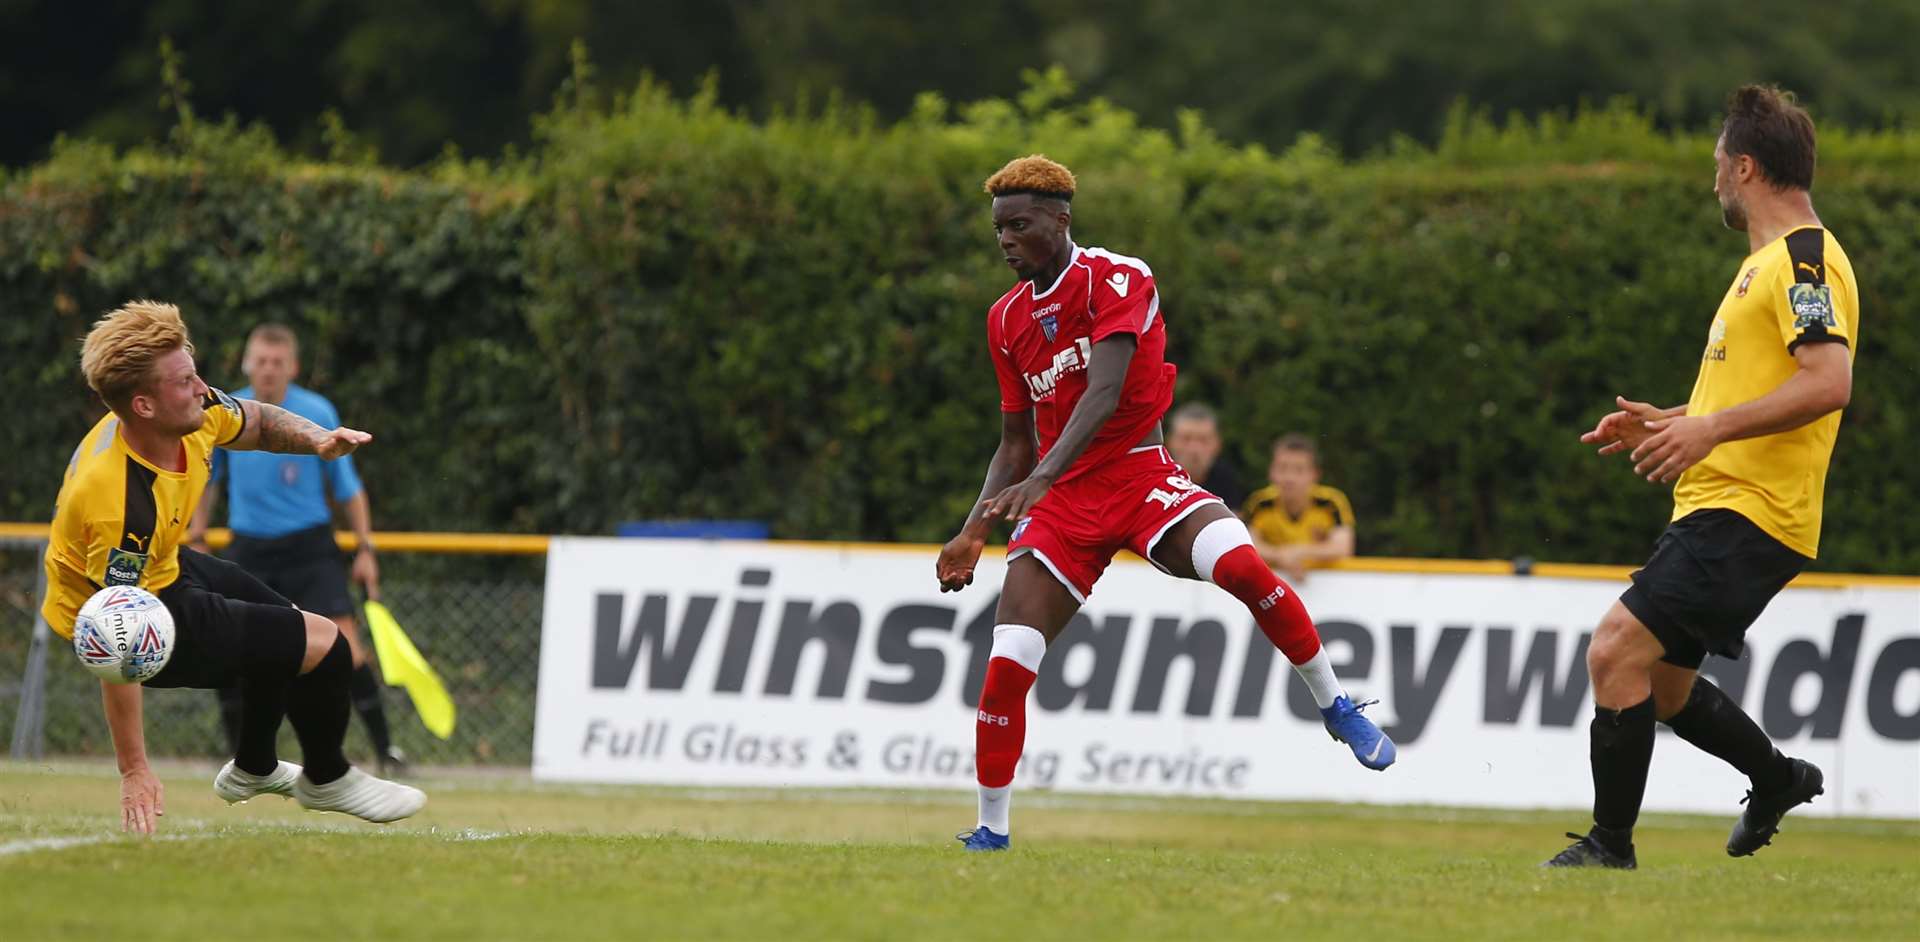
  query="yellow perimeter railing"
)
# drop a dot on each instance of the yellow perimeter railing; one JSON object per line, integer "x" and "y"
{"x": 515, "y": 544}
{"x": 492, "y": 544}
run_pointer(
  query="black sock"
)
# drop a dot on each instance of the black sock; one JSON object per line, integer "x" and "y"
{"x": 366, "y": 702}
{"x": 1717, "y": 725}
{"x": 1620, "y": 748}
{"x": 231, "y": 709}
{"x": 318, "y": 709}
{"x": 263, "y": 703}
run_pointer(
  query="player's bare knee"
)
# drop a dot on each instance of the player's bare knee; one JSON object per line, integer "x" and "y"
{"x": 1620, "y": 648}
{"x": 1607, "y": 652}
{"x": 1181, "y": 552}
{"x": 1600, "y": 660}
{"x": 350, "y": 627}
{"x": 321, "y": 635}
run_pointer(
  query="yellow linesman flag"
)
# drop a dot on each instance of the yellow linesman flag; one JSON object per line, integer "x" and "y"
{"x": 402, "y": 665}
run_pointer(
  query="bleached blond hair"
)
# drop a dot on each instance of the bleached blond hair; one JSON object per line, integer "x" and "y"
{"x": 118, "y": 355}
{"x": 1034, "y": 174}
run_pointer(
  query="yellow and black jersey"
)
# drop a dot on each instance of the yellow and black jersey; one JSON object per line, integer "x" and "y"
{"x": 120, "y": 519}
{"x": 1269, "y": 520}
{"x": 1795, "y": 290}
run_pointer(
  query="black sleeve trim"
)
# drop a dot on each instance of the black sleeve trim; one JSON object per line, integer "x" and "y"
{"x": 1807, "y": 253}
{"x": 1820, "y": 336}
{"x": 219, "y": 399}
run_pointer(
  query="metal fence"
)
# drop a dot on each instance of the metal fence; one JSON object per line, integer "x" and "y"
{"x": 475, "y": 617}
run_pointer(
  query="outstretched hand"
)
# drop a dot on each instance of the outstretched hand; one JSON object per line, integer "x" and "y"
{"x": 340, "y": 442}
{"x": 1677, "y": 444}
{"x": 1014, "y": 502}
{"x": 1623, "y": 430}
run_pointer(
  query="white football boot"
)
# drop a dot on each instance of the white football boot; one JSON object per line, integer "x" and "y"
{"x": 237, "y": 785}
{"x": 361, "y": 795}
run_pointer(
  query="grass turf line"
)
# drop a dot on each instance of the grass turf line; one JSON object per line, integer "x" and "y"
{"x": 502, "y": 858}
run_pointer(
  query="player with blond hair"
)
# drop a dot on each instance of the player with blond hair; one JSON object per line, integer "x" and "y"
{"x": 1079, "y": 346}
{"x": 121, "y": 519}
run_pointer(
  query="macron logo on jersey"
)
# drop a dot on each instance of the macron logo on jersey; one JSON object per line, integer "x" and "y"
{"x": 1119, "y": 282}
{"x": 1071, "y": 359}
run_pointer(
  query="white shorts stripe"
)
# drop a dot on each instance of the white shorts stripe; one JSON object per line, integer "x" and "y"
{"x": 1078, "y": 596}
{"x": 1184, "y": 513}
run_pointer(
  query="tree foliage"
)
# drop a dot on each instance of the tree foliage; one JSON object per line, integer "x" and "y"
{"x": 417, "y": 77}
{"x": 664, "y": 309}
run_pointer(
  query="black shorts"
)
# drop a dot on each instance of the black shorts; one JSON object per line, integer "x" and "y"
{"x": 306, "y": 567}
{"x": 228, "y": 627}
{"x": 1711, "y": 574}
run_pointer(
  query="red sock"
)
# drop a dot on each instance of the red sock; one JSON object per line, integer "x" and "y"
{"x": 1000, "y": 728}
{"x": 1273, "y": 603}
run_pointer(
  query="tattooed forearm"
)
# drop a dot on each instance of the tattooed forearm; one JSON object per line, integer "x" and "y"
{"x": 282, "y": 431}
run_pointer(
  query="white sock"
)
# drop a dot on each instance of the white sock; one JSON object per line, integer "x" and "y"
{"x": 995, "y": 806}
{"x": 1318, "y": 673}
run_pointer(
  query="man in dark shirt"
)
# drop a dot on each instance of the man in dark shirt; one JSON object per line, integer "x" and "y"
{"x": 1195, "y": 443}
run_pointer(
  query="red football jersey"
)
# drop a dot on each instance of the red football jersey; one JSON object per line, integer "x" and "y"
{"x": 1041, "y": 340}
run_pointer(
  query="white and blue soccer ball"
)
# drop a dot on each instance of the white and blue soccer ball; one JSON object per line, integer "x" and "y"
{"x": 124, "y": 635}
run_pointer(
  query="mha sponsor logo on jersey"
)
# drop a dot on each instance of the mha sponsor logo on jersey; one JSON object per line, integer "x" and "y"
{"x": 1812, "y": 306}
{"x": 1070, "y": 359}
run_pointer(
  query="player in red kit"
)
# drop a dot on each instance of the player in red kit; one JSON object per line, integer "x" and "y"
{"x": 1079, "y": 346}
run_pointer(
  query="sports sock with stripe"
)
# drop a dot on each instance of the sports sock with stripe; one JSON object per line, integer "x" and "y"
{"x": 1000, "y": 723}
{"x": 1223, "y": 554}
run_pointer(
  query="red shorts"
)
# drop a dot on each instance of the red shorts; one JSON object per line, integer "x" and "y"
{"x": 1131, "y": 502}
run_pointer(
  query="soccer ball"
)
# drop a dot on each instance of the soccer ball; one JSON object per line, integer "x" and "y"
{"x": 123, "y": 635}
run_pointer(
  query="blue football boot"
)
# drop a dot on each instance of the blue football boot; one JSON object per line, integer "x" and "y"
{"x": 1346, "y": 724}
{"x": 983, "y": 838}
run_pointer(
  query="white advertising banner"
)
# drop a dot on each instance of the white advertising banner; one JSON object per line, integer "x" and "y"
{"x": 744, "y": 663}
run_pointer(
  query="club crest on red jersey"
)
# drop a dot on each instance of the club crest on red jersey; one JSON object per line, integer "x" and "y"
{"x": 1050, "y": 325}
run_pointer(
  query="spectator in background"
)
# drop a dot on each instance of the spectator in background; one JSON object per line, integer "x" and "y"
{"x": 1195, "y": 444}
{"x": 282, "y": 520}
{"x": 1297, "y": 522}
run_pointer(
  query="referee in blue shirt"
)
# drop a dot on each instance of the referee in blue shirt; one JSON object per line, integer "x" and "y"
{"x": 281, "y": 514}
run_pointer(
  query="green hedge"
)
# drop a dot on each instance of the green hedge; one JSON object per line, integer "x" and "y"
{"x": 666, "y": 310}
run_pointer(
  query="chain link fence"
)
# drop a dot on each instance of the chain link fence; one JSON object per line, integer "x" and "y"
{"x": 480, "y": 633}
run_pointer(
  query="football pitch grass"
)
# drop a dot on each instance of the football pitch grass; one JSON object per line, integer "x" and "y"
{"x": 497, "y": 856}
